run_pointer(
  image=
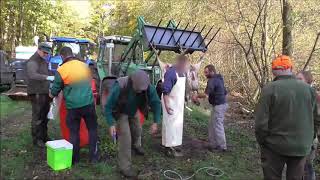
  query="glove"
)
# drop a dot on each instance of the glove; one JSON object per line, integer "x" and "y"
{"x": 50, "y": 78}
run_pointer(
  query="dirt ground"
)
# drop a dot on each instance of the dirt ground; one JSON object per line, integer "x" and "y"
{"x": 20, "y": 160}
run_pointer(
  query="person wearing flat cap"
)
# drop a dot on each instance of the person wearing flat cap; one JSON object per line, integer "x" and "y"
{"x": 38, "y": 90}
{"x": 127, "y": 95}
{"x": 285, "y": 121}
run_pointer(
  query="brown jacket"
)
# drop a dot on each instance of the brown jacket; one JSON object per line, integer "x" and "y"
{"x": 37, "y": 72}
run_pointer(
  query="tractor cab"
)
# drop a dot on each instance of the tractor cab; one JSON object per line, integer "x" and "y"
{"x": 80, "y": 48}
{"x": 110, "y": 51}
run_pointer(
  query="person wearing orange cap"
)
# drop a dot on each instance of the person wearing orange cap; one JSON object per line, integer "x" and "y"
{"x": 285, "y": 120}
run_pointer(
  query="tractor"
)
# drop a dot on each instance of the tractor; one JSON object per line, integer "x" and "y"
{"x": 121, "y": 55}
{"x": 80, "y": 48}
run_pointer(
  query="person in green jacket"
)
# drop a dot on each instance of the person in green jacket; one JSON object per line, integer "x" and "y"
{"x": 285, "y": 120}
{"x": 127, "y": 95}
{"x": 73, "y": 77}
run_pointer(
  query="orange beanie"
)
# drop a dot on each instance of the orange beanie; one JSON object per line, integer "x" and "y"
{"x": 282, "y": 62}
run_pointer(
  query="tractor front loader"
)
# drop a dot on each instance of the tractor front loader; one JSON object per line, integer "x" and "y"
{"x": 121, "y": 55}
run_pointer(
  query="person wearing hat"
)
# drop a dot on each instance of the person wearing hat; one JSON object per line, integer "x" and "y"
{"x": 73, "y": 77}
{"x": 285, "y": 120}
{"x": 127, "y": 95}
{"x": 38, "y": 91}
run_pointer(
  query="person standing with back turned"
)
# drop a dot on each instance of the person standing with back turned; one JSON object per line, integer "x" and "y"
{"x": 74, "y": 78}
{"x": 285, "y": 120}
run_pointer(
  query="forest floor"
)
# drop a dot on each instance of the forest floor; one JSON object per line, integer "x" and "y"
{"x": 20, "y": 160}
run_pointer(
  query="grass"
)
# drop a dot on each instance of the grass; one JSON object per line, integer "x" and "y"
{"x": 21, "y": 160}
{"x": 9, "y": 107}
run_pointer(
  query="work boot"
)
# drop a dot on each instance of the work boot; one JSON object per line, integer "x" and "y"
{"x": 138, "y": 150}
{"x": 129, "y": 173}
{"x": 172, "y": 152}
{"x": 218, "y": 149}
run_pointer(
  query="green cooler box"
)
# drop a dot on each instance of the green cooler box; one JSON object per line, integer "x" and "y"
{"x": 59, "y": 154}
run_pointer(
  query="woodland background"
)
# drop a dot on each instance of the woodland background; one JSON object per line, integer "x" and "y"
{"x": 251, "y": 35}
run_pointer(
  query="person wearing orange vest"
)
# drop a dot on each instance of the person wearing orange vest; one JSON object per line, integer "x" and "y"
{"x": 73, "y": 77}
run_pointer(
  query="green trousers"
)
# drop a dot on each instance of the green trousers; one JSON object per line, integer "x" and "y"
{"x": 273, "y": 164}
{"x": 129, "y": 135}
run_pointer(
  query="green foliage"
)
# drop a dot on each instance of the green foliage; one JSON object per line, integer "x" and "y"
{"x": 22, "y": 20}
{"x": 9, "y": 107}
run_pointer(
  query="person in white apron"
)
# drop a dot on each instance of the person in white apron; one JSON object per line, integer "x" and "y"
{"x": 173, "y": 106}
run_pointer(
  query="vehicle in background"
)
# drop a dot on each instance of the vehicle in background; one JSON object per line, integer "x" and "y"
{"x": 7, "y": 74}
{"x": 80, "y": 47}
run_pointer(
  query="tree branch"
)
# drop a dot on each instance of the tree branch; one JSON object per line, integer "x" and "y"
{"x": 312, "y": 51}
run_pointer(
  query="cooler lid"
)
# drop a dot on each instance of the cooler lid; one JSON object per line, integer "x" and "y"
{"x": 57, "y": 144}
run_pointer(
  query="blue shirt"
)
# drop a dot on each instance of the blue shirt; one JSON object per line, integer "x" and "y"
{"x": 170, "y": 79}
{"x": 216, "y": 90}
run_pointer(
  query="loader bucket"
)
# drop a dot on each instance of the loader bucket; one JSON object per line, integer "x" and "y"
{"x": 175, "y": 39}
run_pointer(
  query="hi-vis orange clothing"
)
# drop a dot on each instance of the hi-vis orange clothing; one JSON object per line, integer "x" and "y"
{"x": 282, "y": 62}
{"x": 74, "y": 78}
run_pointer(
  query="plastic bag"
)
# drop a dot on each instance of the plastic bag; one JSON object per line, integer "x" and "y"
{"x": 53, "y": 109}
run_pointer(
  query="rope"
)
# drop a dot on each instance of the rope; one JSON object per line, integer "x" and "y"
{"x": 210, "y": 170}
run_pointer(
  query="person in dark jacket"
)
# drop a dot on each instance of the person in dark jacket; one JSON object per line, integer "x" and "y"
{"x": 73, "y": 77}
{"x": 216, "y": 94}
{"x": 285, "y": 120}
{"x": 38, "y": 90}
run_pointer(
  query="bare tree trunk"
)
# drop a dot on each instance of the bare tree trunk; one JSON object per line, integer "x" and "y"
{"x": 19, "y": 24}
{"x": 287, "y": 43}
{"x": 11, "y": 30}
